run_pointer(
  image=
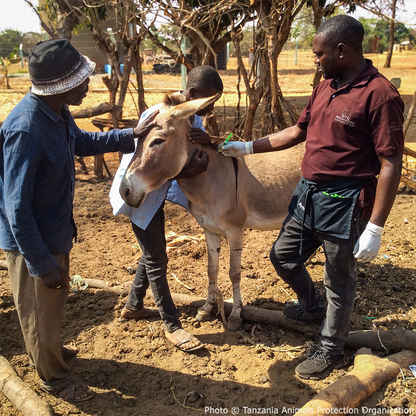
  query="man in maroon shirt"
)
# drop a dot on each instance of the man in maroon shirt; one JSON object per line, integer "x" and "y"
{"x": 352, "y": 127}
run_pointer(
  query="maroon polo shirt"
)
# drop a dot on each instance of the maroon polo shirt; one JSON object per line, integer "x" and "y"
{"x": 349, "y": 128}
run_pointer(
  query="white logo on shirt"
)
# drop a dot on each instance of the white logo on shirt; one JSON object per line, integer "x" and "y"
{"x": 345, "y": 117}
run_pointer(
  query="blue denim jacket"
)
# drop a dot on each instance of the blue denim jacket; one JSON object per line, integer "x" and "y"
{"x": 37, "y": 179}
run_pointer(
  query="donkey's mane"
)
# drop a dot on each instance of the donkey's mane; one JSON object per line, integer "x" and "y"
{"x": 173, "y": 99}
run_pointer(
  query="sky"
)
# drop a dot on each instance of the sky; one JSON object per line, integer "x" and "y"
{"x": 17, "y": 15}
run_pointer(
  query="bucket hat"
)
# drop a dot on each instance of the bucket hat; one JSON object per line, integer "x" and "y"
{"x": 55, "y": 66}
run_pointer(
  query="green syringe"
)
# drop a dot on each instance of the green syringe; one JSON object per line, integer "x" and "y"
{"x": 225, "y": 142}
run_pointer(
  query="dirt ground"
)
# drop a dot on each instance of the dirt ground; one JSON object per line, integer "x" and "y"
{"x": 130, "y": 365}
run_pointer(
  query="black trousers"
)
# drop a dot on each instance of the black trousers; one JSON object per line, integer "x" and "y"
{"x": 340, "y": 278}
{"x": 151, "y": 270}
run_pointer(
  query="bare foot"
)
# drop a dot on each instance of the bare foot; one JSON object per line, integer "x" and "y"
{"x": 69, "y": 351}
{"x": 184, "y": 340}
{"x": 138, "y": 314}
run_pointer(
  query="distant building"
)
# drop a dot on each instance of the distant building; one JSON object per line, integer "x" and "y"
{"x": 406, "y": 46}
{"x": 85, "y": 44}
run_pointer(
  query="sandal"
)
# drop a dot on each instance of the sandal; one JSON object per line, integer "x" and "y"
{"x": 179, "y": 345}
{"x": 186, "y": 339}
{"x": 68, "y": 391}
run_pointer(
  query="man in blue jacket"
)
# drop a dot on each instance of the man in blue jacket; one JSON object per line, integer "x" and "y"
{"x": 38, "y": 141}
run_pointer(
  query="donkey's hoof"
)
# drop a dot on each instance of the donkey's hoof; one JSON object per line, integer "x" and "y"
{"x": 234, "y": 324}
{"x": 203, "y": 316}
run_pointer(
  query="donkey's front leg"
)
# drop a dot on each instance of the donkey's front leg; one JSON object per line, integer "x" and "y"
{"x": 236, "y": 246}
{"x": 213, "y": 246}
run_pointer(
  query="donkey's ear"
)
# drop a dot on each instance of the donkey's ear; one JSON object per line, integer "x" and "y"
{"x": 189, "y": 108}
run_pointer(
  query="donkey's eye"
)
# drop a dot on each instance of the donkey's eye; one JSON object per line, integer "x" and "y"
{"x": 156, "y": 142}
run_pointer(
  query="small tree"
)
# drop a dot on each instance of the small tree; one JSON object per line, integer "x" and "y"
{"x": 387, "y": 10}
{"x": 126, "y": 18}
{"x": 206, "y": 24}
{"x": 9, "y": 42}
{"x": 9, "y": 47}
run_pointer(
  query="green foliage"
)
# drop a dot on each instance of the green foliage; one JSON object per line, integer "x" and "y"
{"x": 9, "y": 43}
{"x": 380, "y": 28}
{"x": 50, "y": 8}
{"x": 303, "y": 29}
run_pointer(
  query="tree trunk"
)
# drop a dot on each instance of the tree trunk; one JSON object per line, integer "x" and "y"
{"x": 20, "y": 394}
{"x": 139, "y": 79}
{"x": 254, "y": 92}
{"x": 294, "y": 116}
{"x": 92, "y": 111}
{"x": 387, "y": 64}
{"x": 98, "y": 166}
{"x": 276, "y": 22}
{"x": 6, "y": 78}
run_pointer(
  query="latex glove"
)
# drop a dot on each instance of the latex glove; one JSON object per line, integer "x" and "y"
{"x": 236, "y": 149}
{"x": 368, "y": 244}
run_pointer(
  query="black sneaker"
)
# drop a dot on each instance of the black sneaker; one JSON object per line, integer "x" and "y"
{"x": 318, "y": 365}
{"x": 297, "y": 313}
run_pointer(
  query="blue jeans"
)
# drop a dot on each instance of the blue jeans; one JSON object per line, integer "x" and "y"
{"x": 340, "y": 279}
{"x": 151, "y": 270}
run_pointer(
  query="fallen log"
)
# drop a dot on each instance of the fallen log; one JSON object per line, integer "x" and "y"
{"x": 99, "y": 284}
{"x": 390, "y": 340}
{"x": 92, "y": 111}
{"x": 408, "y": 182}
{"x": 409, "y": 152}
{"x": 251, "y": 313}
{"x": 20, "y": 394}
{"x": 368, "y": 375}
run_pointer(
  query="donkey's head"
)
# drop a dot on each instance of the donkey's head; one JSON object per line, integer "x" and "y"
{"x": 165, "y": 150}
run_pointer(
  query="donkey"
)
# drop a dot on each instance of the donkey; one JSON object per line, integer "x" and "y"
{"x": 231, "y": 195}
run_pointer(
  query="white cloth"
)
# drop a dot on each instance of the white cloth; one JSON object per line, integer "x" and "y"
{"x": 170, "y": 190}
